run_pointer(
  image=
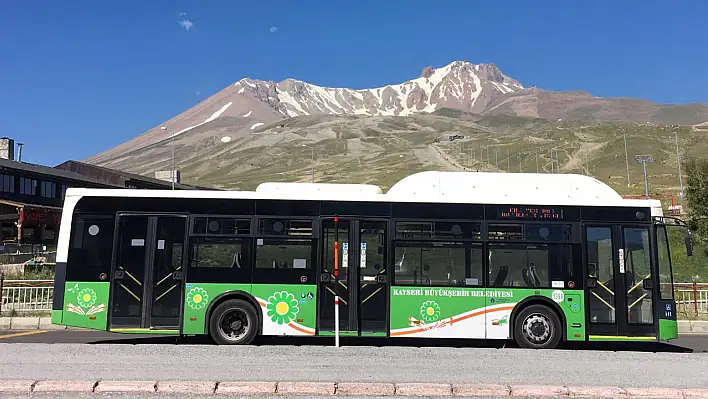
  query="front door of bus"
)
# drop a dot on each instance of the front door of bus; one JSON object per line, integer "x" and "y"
{"x": 619, "y": 301}
{"x": 361, "y": 278}
{"x": 147, "y": 273}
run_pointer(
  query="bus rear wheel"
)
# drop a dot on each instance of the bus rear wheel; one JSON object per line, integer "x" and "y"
{"x": 233, "y": 322}
{"x": 537, "y": 327}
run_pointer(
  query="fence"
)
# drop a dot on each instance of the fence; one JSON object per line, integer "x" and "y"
{"x": 691, "y": 300}
{"x": 23, "y": 296}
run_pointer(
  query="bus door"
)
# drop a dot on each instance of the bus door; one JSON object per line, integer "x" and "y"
{"x": 620, "y": 293}
{"x": 359, "y": 278}
{"x": 146, "y": 281}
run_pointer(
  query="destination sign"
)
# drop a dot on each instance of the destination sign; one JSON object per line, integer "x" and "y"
{"x": 524, "y": 212}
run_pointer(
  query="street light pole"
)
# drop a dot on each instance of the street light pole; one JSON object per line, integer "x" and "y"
{"x": 643, "y": 159}
{"x": 536, "y": 152}
{"x": 518, "y": 157}
{"x": 172, "y": 144}
{"x": 678, "y": 159}
{"x": 626, "y": 157}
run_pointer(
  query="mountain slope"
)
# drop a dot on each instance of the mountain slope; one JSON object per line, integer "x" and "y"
{"x": 249, "y": 107}
{"x": 382, "y": 149}
{"x": 584, "y": 107}
{"x": 457, "y": 85}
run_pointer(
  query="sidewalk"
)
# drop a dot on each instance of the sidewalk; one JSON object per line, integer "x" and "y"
{"x": 269, "y": 388}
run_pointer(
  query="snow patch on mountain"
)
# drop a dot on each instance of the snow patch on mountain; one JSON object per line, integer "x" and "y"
{"x": 458, "y": 85}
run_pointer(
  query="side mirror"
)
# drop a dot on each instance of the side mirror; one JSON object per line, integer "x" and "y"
{"x": 689, "y": 243}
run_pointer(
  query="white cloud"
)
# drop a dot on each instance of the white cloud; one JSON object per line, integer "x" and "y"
{"x": 273, "y": 29}
{"x": 181, "y": 14}
{"x": 186, "y": 24}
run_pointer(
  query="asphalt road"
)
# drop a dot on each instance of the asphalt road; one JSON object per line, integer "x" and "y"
{"x": 131, "y": 358}
{"x": 691, "y": 342}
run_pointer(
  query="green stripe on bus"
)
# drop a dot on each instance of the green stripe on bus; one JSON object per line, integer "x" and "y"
{"x": 668, "y": 329}
{"x": 57, "y": 316}
{"x": 143, "y": 331}
{"x": 373, "y": 334}
{"x": 341, "y": 334}
{"x": 620, "y": 338}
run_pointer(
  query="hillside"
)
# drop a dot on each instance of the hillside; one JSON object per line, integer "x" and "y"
{"x": 382, "y": 149}
{"x": 478, "y": 88}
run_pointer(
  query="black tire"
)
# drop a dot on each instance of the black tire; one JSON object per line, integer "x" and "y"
{"x": 234, "y": 322}
{"x": 537, "y": 327}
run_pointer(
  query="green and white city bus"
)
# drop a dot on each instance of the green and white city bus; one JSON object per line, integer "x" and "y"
{"x": 537, "y": 258}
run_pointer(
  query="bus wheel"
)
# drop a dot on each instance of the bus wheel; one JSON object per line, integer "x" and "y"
{"x": 537, "y": 327}
{"x": 234, "y": 322}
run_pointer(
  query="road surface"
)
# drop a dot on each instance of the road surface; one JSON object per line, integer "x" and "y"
{"x": 693, "y": 342}
{"x": 58, "y": 355}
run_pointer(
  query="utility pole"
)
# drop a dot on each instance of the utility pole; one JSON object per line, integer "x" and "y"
{"x": 496, "y": 157}
{"x": 626, "y": 157}
{"x": 536, "y": 152}
{"x": 587, "y": 168}
{"x": 172, "y": 144}
{"x": 518, "y": 156}
{"x": 643, "y": 159}
{"x": 678, "y": 158}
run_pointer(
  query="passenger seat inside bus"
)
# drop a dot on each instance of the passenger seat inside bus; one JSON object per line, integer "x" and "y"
{"x": 236, "y": 261}
{"x": 501, "y": 276}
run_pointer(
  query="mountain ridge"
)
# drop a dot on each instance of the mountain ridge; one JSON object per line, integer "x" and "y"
{"x": 478, "y": 88}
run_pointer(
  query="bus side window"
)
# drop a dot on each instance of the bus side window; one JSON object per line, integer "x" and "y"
{"x": 533, "y": 265}
{"x": 223, "y": 259}
{"x": 91, "y": 247}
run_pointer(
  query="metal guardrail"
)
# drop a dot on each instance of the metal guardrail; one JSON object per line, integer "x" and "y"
{"x": 22, "y": 296}
{"x": 691, "y": 299}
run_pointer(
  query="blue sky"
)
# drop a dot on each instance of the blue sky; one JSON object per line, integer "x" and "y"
{"x": 81, "y": 76}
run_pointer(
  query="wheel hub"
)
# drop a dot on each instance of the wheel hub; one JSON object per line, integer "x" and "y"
{"x": 537, "y": 328}
{"x": 234, "y": 325}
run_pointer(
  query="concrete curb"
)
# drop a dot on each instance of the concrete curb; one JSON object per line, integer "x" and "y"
{"x": 692, "y": 326}
{"x": 45, "y": 323}
{"x": 32, "y": 323}
{"x": 299, "y": 388}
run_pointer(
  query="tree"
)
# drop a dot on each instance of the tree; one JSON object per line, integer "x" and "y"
{"x": 697, "y": 196}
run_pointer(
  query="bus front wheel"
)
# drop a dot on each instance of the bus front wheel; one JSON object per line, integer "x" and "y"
{"x": 234, "y": 322}
{"x": 537, "y": 327}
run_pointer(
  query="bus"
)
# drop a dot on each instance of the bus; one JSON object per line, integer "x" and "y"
{"x": 536, "y": 258}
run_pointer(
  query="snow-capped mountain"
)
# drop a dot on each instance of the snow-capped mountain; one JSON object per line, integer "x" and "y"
{"x": 252, "y": 103}
{"x": 457, "y": 85}
{"x": 244, "y": 107}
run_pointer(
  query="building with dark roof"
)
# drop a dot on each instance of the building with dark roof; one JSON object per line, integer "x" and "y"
{"x": 31, "y": 196}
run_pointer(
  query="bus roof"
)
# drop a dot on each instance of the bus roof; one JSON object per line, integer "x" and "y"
{"x": 426, "y": 187}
